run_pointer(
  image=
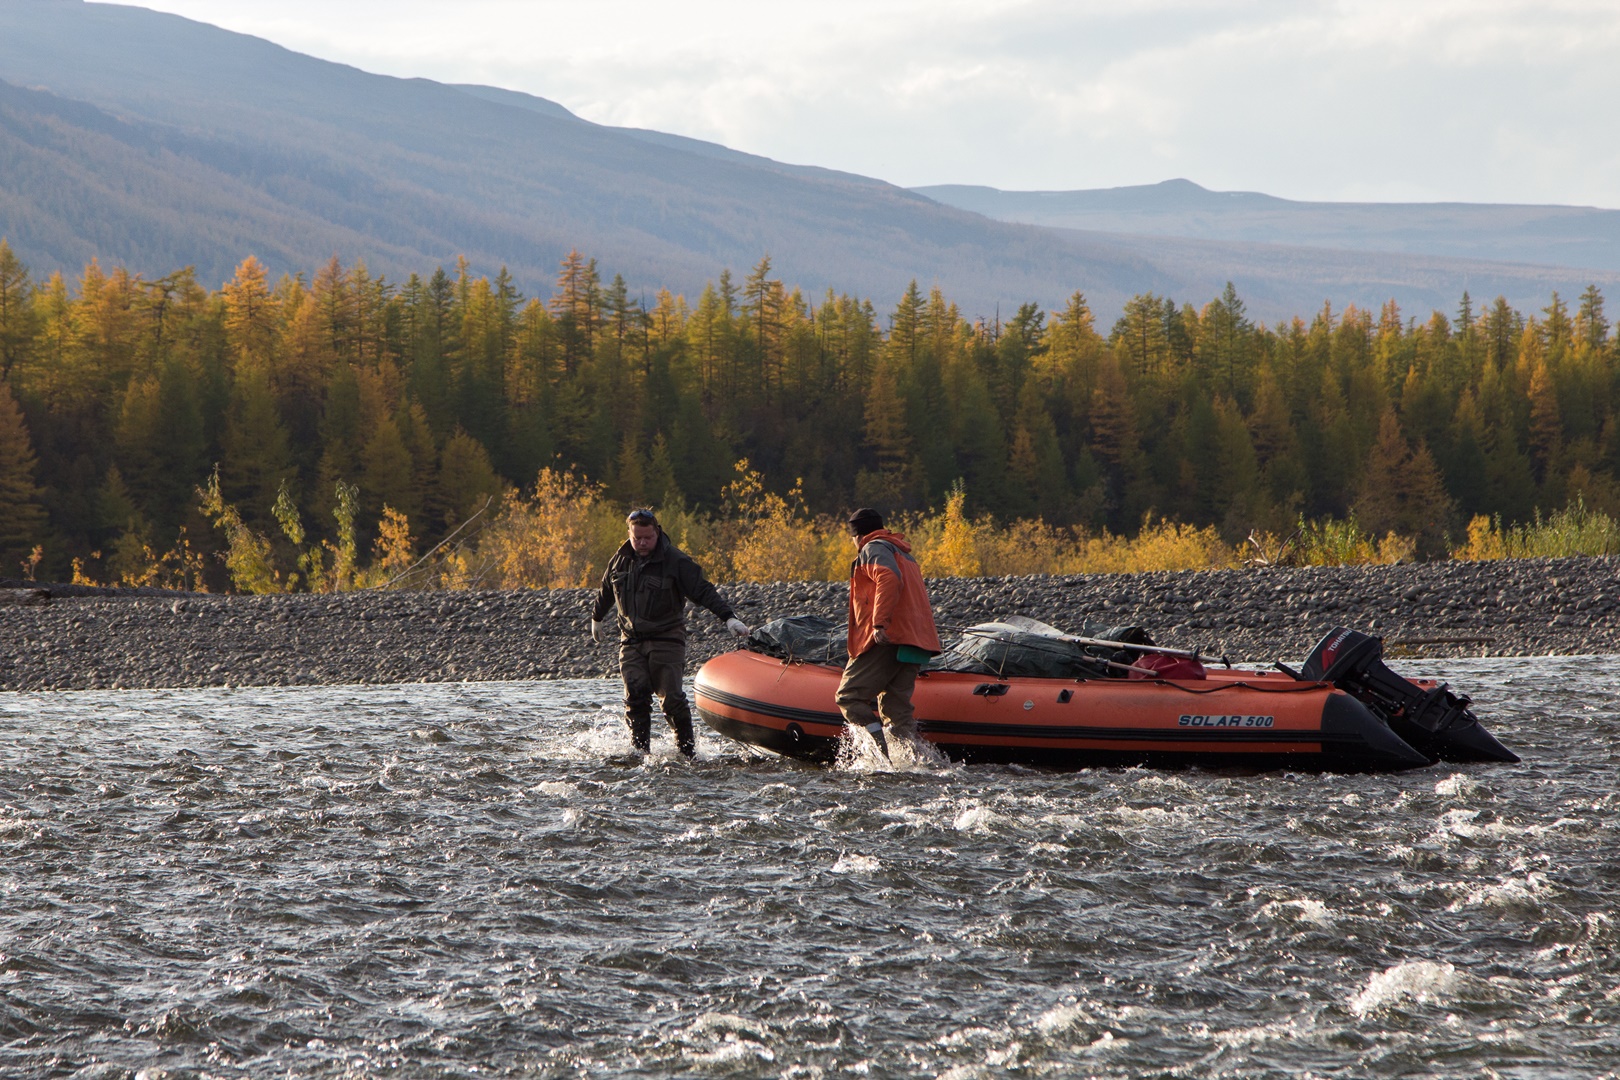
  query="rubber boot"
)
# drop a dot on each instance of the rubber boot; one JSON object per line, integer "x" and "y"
{"x": 876, "y": 728}
{"x": 640, "y": 725}
{"x": 680, "y": 718}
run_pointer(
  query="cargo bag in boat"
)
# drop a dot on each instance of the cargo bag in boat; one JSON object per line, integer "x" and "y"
{"x": 809, "y": 639}
{"x": 1012, "y": 652}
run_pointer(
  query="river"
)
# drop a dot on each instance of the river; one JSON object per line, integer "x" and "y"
{"x": 473, "y": 880}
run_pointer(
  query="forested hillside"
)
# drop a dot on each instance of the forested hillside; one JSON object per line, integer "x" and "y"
{"x": 343, "y": 393}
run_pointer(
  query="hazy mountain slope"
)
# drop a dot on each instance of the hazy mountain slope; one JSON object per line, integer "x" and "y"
{"x": 427, "y": 172}
{"x": 1577, "y": 236}
{"x": 1276, "y": 280}
{"x": 156, "y": 142}
{"x": 659, "y": 138}
{"x": 79, "y": 183}
{"x": 516, "y": 98}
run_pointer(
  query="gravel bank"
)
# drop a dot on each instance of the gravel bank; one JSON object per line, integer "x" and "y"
{"x": 1532, "y": 607}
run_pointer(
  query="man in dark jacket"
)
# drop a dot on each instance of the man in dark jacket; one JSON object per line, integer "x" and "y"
{"x": 648, "y": 582}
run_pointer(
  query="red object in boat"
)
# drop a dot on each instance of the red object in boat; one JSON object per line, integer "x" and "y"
{"x": 1166, "y": 666}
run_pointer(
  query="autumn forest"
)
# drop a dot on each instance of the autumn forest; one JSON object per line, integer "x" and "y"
{"x": 152, "y": 420}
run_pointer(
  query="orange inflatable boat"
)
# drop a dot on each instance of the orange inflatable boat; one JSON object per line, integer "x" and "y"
{"x": 1344, "y": 712}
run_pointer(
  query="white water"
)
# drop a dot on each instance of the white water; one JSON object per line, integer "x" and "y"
{"x": 474, "y": 880}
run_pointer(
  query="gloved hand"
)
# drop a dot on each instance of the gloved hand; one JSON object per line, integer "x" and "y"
{"x": 596, "y": 629}
{"x": 738, "y": 627}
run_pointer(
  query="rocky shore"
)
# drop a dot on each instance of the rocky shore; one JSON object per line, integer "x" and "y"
{"x": 58, "y": 638}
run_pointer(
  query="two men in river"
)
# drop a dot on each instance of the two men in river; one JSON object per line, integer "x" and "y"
{"x": 891, "y": 632}
{"x": 647, "y": 584}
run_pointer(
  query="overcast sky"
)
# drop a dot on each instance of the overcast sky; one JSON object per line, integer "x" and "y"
{"x": 1473, "y": 100}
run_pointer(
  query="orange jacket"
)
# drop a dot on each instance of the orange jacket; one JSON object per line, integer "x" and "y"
{"x": 886, "y": 589}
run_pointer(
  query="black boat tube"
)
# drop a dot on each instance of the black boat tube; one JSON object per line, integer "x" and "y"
{"x": 1354, "y": 739}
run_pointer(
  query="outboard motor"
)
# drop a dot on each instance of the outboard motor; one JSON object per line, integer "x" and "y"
{"x": 1435, "y": 722}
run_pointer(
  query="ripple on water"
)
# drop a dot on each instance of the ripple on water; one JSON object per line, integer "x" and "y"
{"x": 852, "y": 863}
{"x": 1300, "y": 912}
{"x": 1418, "y": 982}
{"x": 450, "y": 880}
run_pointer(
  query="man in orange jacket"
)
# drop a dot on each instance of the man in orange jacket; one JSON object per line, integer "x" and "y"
{"x": 891, "y": 631}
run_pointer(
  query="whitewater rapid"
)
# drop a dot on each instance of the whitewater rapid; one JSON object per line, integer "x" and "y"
{"x": 475, "y": 879}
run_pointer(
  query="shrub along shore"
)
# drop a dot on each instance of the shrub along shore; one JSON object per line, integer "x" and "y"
{"x": 67, "y": 639}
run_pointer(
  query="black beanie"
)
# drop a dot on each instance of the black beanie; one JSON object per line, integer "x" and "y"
{"x": 865, "y": 520}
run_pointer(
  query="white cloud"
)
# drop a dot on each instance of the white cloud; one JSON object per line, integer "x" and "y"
{"x": 1406, "y": 99}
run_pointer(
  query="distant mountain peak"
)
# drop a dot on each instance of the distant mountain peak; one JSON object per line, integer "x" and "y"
{"x": 1553, "y": 236}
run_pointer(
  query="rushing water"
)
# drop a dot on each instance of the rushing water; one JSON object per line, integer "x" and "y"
{"x": 472, "y": 880}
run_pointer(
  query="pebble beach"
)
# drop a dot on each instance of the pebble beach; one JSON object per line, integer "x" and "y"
{"x": 67, "y": 638}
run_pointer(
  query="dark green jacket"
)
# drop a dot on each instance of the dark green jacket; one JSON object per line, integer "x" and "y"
{"x": 650, "y": 593}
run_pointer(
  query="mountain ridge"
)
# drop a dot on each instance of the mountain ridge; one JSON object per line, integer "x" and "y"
{"x": 203, "y": 146}
{"x": 1547, "y": 234}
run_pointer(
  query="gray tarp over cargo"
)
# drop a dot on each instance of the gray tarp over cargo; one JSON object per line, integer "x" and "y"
{"x": 810, "y": 639}
{"x": 1018, "y": 647}
{"x": 1023, "y": 648}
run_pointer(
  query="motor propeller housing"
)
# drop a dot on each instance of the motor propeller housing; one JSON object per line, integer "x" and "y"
{"x": 1435, "y": 721}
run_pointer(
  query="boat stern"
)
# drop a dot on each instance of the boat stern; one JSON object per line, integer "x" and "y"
{"x": 1354, "y": 739}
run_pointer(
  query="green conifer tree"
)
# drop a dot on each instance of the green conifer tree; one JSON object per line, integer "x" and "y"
{"x": 22, "y": 511}
{"x": 1118, "y": 446}
{"x": 662, "y": 487}
{"x": 387, "y": 476}
{"x": 257, "y": 457}
{"x": 1465, "y": 466}
{"x": 1140, "y": 338}
{"x": 17, "y": 316}
{"x": 467, "y": 480}
{"x": 1402, "y": 491}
